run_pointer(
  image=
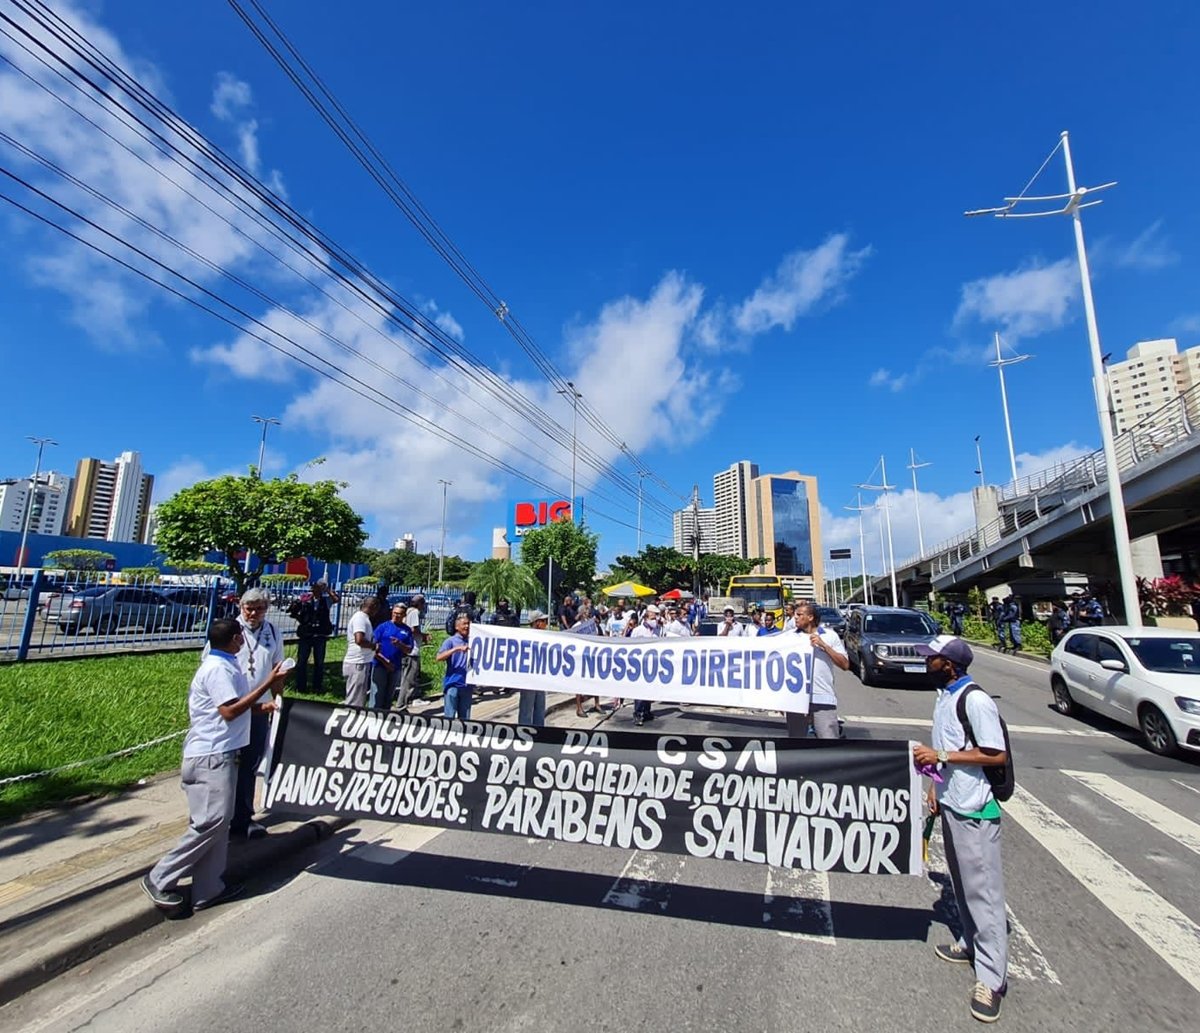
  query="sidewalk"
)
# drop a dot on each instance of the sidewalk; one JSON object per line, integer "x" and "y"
{"x": 69, "y": 877}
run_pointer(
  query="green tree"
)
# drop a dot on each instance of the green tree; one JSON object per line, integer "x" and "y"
{"x": 141, "y": 573}
{"x": 658, "y": 567}
{"x": 275, "y": 520}
{"x": 197, "y": 567}
{"x": 502, "y": 579}
{"x": 716, "y": 570}
{"x": 573, "y": 550}
{"x": 78, "y": 559}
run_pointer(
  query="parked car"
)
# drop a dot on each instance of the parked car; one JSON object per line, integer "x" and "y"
{"x": 1146, "y": 678}
{"x": 107, "y": 608}
{"x": 197, "y": 596}
{"x": 832, "y": 618}
{"x": 881, "y": 640}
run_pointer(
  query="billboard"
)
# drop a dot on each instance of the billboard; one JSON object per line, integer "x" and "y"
{"x": 526, "y": 515}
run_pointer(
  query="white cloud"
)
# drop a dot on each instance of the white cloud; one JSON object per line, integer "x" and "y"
{"x": 1029, "y": 463}
{"x": 803, "y": 280}
{"x": 1148, "y": 251}
{"x": 1030, "y": 300}
{"x": 230, "y": 96}
{"x": 1186, "y": 324}
{"x": 884, "y": 377}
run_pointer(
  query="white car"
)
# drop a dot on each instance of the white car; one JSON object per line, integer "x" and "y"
{"x": 1147, "y": 678}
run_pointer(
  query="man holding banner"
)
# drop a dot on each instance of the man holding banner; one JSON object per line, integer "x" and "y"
{"x": 828, "y": 653}
{"x": 456, "y": 693}
{"x": 649, "y": 628}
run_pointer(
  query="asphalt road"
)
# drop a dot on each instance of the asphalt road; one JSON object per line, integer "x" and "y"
{"x": 394, "y": 926}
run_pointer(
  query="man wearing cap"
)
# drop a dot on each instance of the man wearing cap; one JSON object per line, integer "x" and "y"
{"x": 730, "y": 627}
{"x": 649, "y": 628}
{"x": 531, "y": 706}
{"x": 970, "y": 820}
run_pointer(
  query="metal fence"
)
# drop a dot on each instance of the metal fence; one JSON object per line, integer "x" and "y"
{"x": 56, "y": 614}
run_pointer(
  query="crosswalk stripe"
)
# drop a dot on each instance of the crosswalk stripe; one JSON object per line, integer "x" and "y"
{"x": 1026, "y": 962}
{"x": 1160, "y": 925}
{"x": 645, "y": 882}
{"x": 1183, "y": 830}
{"x": 795, "y": 896}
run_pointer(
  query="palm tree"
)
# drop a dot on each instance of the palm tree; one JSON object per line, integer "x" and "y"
{"x": 504, "y": 579}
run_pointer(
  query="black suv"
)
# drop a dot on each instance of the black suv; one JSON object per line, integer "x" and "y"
{"x": 880, "y": 643}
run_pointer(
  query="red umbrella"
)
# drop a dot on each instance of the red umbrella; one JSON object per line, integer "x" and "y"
{"x": 677, "y": 593}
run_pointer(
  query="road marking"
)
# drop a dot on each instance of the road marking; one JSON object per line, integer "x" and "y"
{"x": 796, "y": 897}
{"x": 1186, "y": 785}
{"x": 1183, "y": 830}
{"x": 924, "y": 722}
{"x": 394, "y": 846}
{"x": 1040, "y": 668}
{"x": 645, "y": 882}
{"x": 1025, "y": 958}
{"x": 1160, "y": 925}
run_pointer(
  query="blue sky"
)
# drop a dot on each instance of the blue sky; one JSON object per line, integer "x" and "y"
{"x": 740, "y": 235}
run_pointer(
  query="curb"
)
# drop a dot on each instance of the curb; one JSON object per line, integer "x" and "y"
{"x": 130, "y": 914}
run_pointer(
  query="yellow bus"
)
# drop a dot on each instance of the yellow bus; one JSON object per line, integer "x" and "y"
{"x": 761, "y": 591}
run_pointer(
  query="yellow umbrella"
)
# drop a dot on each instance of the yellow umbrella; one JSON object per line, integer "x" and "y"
{"x": 627, "y": 590}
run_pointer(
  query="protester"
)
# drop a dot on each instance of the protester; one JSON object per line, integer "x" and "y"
{"x": 648, "y": 628}
{"x": 617, "y": 621}
{"x": 393, "y": 643}
{"x": 730, "y": 627}
{"x": 676, "y": 627}
{"x": 313, "y": 628}
{"x": 408, "y": 686}
{"x": 219, "y": 704}
{"x": 970, "y": 820}
{"x": 454, "y": 652}
{"x": 828, "y": 653}
{"x": 768, "y": 624}
{"x": 568, "y": 612}
{"x": 789, "y": 621}
{"x": 585, "y": 624}
{"x": 531, "y": 704}
{"x": 360, "y": 651}
{"x": 260, "y": 654}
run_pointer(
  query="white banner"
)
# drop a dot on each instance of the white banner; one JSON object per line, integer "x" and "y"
{"x": 770, "y": 672}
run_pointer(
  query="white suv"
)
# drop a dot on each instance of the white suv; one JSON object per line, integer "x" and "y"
{"x": 1147, "y": 678}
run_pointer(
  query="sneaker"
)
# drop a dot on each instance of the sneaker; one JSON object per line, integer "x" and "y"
{"x": 638, "y": 719}
{"x": 954, "y": 953}
{"x": 255, "y": 831}
{"x": 166, "y": 899}
{"x": 230, "y": 892}
{"x": 985, "y": 1003}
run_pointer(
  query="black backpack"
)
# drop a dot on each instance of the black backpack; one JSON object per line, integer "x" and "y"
{"x": 1002, "y": 778}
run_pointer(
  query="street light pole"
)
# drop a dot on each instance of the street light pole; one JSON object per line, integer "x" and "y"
{"x": 1000, "y": 363}
{"x": 575, "y": 396}
{"x": 37, "y": 472}
{"x": 1072, "y": 204}
{"x": 862, "y": 548}
{"x": 914, "y": 466}
{"x": 266, "y": 421}
{"x": 890, "y": 560}
{"x": 979, "y": 462}
{"x": 442, "y": 549}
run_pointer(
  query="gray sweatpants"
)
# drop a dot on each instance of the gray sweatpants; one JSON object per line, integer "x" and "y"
{"x": 358, "y": 683}
{"x": 210, "y": 783}
{"x": 973, "y": 857}
{"x": 822, "y": 717}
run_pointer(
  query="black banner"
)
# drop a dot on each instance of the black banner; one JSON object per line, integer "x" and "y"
{"x": 842, "y": 805}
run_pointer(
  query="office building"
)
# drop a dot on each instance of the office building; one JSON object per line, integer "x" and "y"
{"x": 688, "y": 523}
{"x": 1153, "y": 374}
{"x": 785, "y": 529}
{"x": 49, "y": 502}
{"x": 406, "y": 542}
{"x": 730, "y": 491}
{"x": 110, "y": 501}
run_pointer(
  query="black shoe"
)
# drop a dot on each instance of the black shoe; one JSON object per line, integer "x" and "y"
{"x": 638, "y": 719}
{"x": 165, "y": 899}
{"x": 953, "y": 953}
{"x": 985, "y": 1003}
{"x": 255, "y": 831}
{"x": 230, "y": 892}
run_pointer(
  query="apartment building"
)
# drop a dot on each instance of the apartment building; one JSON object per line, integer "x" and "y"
{"x": 110, "y": 500}
{"x": 1153, "y": 374}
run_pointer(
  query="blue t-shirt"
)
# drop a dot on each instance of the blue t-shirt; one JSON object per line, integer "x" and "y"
{"x": 456, "y": 663}
{"x": 389, "y": 637}
{"x": 768, "y": 631}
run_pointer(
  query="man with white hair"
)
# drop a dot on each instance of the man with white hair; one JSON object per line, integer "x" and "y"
{"x": 261, "y": 651}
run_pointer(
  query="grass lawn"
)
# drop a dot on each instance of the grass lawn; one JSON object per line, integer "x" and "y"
{"x": 58, "y": 712}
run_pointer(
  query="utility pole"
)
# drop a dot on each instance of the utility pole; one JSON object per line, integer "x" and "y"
{"x": 442, "y": 550}
{"x": 696, "y": 540}
{"x": 914, "y": 466}
{"x": 1072, "y": 204}
{"x": 575, "y": 396}
{"x": 29, "y": 502}
{"x": 868, "y": 596}
{"x": 1000, "y": 362}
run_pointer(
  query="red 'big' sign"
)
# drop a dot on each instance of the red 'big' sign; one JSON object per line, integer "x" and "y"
{"x": 529, "y": 515}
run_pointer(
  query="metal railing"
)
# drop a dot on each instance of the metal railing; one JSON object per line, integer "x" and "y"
{"x": 1031, "y": 498}
{"x": 57, "y": 614}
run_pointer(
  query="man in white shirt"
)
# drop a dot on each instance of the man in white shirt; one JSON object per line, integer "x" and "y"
{"x": 828, "y": 653}
{"x": 360, "y": 652}
{"x": 219, "y": 706}
{"x": 676, "y": 627}
{"x": 730, "y": 627}
{"x": 650, "y": 627}
{"x": 617, "y": 621}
